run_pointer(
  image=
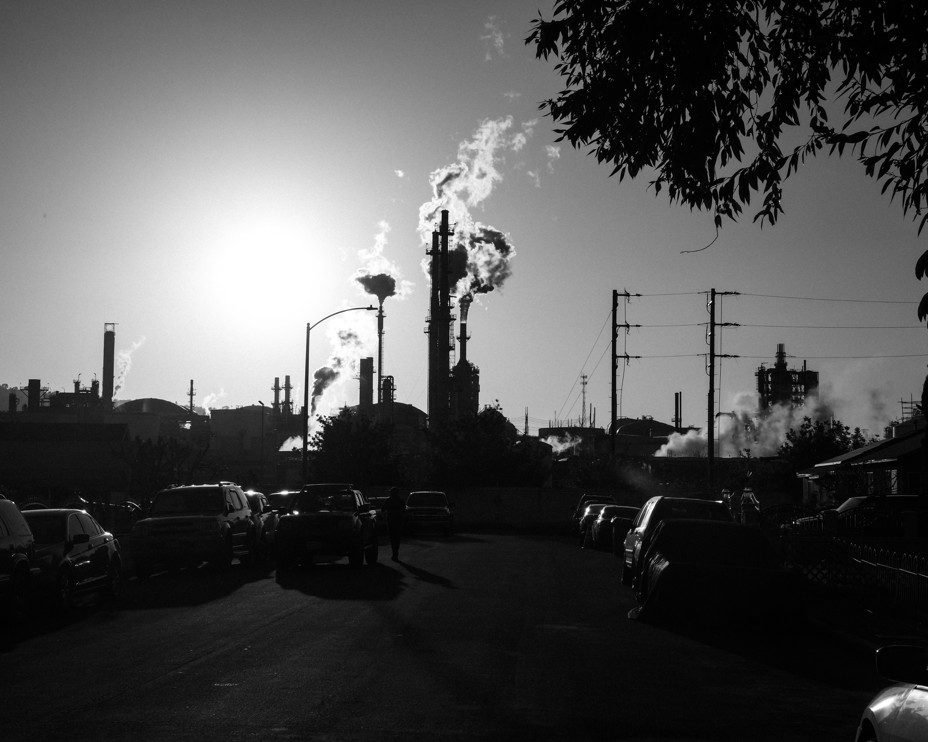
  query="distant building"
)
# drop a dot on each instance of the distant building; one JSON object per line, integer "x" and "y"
{"x": 780, "y": 385}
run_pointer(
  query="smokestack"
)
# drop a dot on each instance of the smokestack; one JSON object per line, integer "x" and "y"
{"x": 276, "y": 395}
{"x": 288, "y": 405}
{"x": 464, "y": 304}
{"x": 678, "y": 410}
{"x": 366, "y": 384}
{"x": 109, "y": 361}
{"x": 35, "y": 394}
{"x": 379, "y": 351}
{"x": 781, "y": 354}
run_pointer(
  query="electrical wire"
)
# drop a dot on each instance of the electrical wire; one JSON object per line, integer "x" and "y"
{"x": 839, "y": 327}
{"x": 824, "y": 298}
{"x": 583, "y": 366}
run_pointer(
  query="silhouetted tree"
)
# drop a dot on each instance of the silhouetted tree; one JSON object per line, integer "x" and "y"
{"x": 819, "y": 440}
{"x": 702, "y": 94}
{"x": 349, "y": 447}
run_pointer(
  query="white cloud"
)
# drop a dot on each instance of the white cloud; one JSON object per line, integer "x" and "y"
{"x": 493, "y": 39}
{"x": 399, "y": 173}
{"x": 512, "y": 95}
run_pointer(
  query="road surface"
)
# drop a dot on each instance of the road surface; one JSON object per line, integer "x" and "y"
{"x": 477, "y": 636}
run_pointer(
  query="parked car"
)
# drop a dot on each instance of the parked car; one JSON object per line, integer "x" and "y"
{"x": 715, "y": 572}
{"x": 18, "y": 566}
{"x": 280, "y": 500}
{"x": 429, "y": 510}
{"x": 187, "y": 525}
{"x": 652, "y": 513}
{"x": 265, "y": 519}
{"x": 899, "y": 712}
{"x": 600, "y": 531}
{"x": 621, "y": 524}
{"x": 578, "y": 511}
{"x": 590, "y": 514}
{"x": 327, "y": 522}
{"x": 75, "y": 555}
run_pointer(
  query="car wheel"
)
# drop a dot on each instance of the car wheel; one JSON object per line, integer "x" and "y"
{"x": 250, "y": 558}
{"x": 65, "y": 591}
{"x": 356, "y": 557}
{"x": 372, "y": 553}
{"x": 19, "y": 594}
{"x": 626, "y": 575}
{"x": 116, "y": 585}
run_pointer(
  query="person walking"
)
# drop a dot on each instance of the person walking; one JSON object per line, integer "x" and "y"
{"x": 396, "y": 517}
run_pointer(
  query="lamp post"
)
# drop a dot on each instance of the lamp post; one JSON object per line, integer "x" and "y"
{"x": 261, "y": 475}
{"x": 309, "y": 327}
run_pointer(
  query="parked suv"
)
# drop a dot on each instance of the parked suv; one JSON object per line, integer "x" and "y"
{"x": 429, "y": 509}
{"x": 193, "y": 523}
{"x": 17, "y": 559}
{"x": 327, "y": 522}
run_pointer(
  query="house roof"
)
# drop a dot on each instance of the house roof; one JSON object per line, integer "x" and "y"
{"x": 876, "y": 455}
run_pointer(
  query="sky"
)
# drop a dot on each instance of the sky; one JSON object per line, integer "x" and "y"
{"x": 213, "y": 176}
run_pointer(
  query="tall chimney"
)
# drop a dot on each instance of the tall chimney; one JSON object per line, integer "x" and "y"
{"x": 276, "y": 407}
{"x": 464, "y": 304}
{"x": 781, "y": 354}
{"x": 379, "y": 350}
{"x": 288, "y": 405}
{"x": 109, "y": 361}
{"x": 366, "y": 384}
{"x": 34, "y": 394}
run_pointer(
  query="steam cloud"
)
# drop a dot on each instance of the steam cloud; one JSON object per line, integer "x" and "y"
{"x": 379, "y": 276}
{"x": 124, "y": 364}
{"x": 344, "y": 358}
{"x": 562, "y": 443}
{"x": 479, "y": 254}
{"x": 745, "y": 430}
{"x": 211, "y": 400}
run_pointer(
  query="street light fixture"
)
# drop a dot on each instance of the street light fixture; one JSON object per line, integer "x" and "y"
{"x": 306, "y": 383}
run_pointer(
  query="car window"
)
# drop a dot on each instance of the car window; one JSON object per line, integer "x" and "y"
{"x": 321, "y": 500}
{"x": 74, "y": 526}
{"x": 4, "y": 531}
{"x": 89, "y": 524}
{"x": 643, "y": 514}
{"x": 426, "y": 500}
{"x": 48, "y": 528}
{"x": 188, "y": 501}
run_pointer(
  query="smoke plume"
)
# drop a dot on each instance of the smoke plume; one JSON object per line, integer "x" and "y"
{"x": 211, "y": 400}
{"x": 747, "y": 431}
{"x": 124, "y": 364}
{"x": 344, "y": 357}
{"x": 378, "y": 276}
{"x": 562, "y": 443}
{"x": 479, "y": 254}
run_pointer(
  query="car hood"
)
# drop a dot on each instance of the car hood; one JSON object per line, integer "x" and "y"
{"x": 886, "y": 703}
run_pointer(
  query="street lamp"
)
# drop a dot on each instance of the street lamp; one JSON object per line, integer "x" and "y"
{"x": 306, "y": 383}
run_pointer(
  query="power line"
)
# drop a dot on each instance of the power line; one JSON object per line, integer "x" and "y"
{"x": 592, "y": 348}
{"x": 841, "y": 327}
{"x": 822, "y": 298}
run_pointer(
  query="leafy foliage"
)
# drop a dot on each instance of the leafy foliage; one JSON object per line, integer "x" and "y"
{"x": 704, "y": 94}
{"x": 815, "y": 441}
{"x": 350, "y": 448}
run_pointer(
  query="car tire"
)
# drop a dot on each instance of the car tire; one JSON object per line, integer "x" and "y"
{"x": 65, "y": 589}
{"x": 250, "y": 557}
{"x": 115, "y": 584}
{"x": 626, "y": 575}
{"x": 19, "y": 594}
{"x": 372, "y": 553}
{"x": 587, "y": 541}
{"x": 356, "y": 557}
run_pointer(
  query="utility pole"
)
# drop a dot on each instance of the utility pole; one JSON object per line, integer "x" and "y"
{"x": 615, "y": 364}
{"x": 710, "y": 453}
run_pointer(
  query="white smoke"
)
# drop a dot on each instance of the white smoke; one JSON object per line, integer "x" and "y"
{"x": 349, "y": 345}
{"x": 210, "y": 401}
{"x": 124, "y": 364}
{"x": 480, "y": 253}
{"x": 745, "y": 431}
{"x": 563, "y": 443}
{"x": 493, "y": 39}
{"x": 378, "y": 275}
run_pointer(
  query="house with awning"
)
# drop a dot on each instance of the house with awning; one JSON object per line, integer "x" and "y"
{"x": 892, "y": 466}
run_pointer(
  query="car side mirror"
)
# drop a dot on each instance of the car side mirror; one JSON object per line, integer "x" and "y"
{"x": 903, "y": 663}
{"x": 80, "y": 538}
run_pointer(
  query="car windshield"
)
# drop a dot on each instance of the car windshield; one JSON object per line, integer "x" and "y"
{"x": 321, "y": 500}
{"x": 188, "y": 501}
{"x": 47, "y": 528}
{"x": 851, "y": 503}
{"x": 278, "y": 500}
{"x": 697, "y": 509}
{"x": 427, "y": 500}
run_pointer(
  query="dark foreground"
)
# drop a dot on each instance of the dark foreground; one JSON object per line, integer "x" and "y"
{"x": 484, "y": 636}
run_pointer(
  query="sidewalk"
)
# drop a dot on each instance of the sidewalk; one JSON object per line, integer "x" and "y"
{"x": 851, "y": 616}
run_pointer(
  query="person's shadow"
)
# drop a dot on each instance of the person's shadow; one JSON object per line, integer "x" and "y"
{"x": 426, "y": 576}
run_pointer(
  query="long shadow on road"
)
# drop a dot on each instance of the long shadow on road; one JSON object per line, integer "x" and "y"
{"x": 342, "y": 582}
{"x": 190, "y": 587}
{"x": 426, "y": 576}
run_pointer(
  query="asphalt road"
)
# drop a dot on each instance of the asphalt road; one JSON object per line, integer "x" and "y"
{"x": 486, "y": 636}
